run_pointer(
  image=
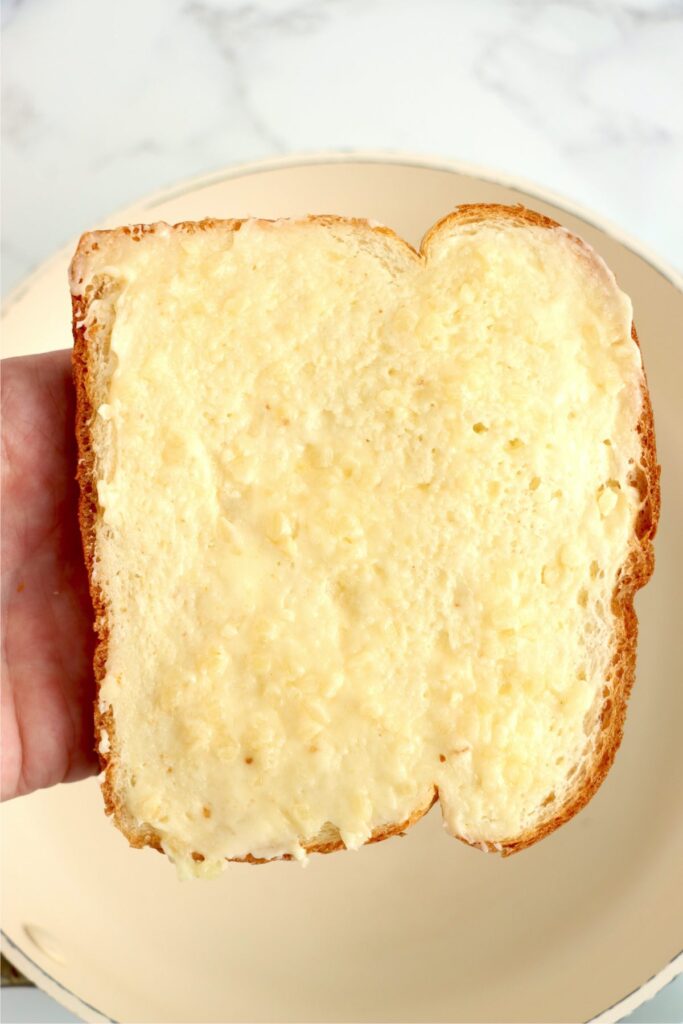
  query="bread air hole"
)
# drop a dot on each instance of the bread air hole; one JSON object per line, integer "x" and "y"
{"x": 606, "y": 715}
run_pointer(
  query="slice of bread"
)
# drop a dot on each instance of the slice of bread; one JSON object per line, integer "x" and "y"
{"x": 363, "y": 525}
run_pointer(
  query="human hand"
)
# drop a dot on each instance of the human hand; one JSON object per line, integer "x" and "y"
{"x": 47, "y": 634}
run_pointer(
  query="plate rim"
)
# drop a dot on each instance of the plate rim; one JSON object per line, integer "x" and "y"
{"x": 421, "y": 161}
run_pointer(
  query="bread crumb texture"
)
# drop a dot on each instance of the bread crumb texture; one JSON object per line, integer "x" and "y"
{"x": 356, "y": 519}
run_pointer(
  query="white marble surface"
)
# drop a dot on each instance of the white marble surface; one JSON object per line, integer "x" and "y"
{"x": 104, "y": 102}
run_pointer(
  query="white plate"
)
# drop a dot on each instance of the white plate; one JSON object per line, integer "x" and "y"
{"x": 410, "y": 930}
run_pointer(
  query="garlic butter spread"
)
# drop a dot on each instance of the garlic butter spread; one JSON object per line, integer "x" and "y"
{"x": 361, "y": 517}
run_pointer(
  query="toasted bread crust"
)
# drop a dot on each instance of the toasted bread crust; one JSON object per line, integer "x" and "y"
{"x": 634, "y": 574}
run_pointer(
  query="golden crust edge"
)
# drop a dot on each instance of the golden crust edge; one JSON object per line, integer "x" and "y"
{"x": 635, "y": 573}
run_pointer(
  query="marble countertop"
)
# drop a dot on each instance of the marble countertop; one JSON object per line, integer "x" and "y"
{"x": 103, "y": 103}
